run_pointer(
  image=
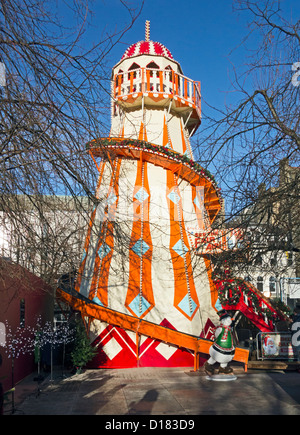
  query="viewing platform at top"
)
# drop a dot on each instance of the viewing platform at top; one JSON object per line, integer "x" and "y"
{"x": 160, "y": 88}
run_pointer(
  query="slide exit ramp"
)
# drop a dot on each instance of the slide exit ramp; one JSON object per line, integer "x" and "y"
{"x": 142, "y": 327}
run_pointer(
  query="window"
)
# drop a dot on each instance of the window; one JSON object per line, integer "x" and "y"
{"x": 272, "y": 284}
{"x": 119, "y": 77}
{"x": 258, "y": 260}
{"x": 168, "y": 76}
{"x": 153, "y": 65}
{"x": 22, "y": 313}
{"x": 133, "y": 67}
{"x": 260, "y": 284}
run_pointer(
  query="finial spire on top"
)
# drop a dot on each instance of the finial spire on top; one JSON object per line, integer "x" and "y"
{"x": 147, "y": 31}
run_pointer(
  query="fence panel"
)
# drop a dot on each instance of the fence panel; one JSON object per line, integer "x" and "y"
{"x": 275, "y": 346}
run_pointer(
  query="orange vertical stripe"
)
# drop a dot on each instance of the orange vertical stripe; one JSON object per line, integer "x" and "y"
{"x": 85, "y": 251}
{"x": 197, "y": 201}
{"x": 182, "y": 140}
{"x": 166, "y": 139}
{"x": 182, "y": 266}
{"x": 143, "y": 133}
{"x": 140, "y": 274}
{"x": 99, "y": 285}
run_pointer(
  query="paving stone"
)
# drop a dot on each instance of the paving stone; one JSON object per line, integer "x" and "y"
{"x": 160, "y": 391}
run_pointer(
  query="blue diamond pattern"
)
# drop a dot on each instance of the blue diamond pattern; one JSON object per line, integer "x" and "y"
{"x": 197, "y": 202}
{"x": 218, "y": 305}
{"x": 83, "y": 256}
{"x": 185, "y": 306}
{"x": 97, "y": 301}
{"x": 174, "y": 197}
{"x": 135, "y": 305}
{"x": 141, "y": 195}
{"x": 140, "y": 248}
{"x": 111, "y": 198}
{"x": 103, "y": 250}
{"x": 180, "y": 248}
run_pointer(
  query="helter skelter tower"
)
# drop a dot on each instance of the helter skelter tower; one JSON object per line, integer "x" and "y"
{"x": 138, "y": 261}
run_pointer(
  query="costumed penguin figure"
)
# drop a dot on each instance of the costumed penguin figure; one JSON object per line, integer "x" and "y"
{"x": 222, "y": 350}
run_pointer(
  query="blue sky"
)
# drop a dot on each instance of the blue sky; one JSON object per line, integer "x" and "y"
{"x": 200, "y": 35}
{"x": 203, "y": 36}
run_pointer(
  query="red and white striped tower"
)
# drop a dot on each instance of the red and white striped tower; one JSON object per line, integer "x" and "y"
{"x": 138, "y": 259}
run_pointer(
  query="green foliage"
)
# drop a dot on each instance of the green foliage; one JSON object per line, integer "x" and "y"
{"x": 232, "y": 290}
{"x": 83, "y": 351}
{"x": 279, "y": 304}
{"x": 7, "y": 393}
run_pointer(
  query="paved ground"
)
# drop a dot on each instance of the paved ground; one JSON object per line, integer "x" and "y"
{"x": 159, "y": 391}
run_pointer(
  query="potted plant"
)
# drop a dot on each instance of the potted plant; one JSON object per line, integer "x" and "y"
{"x": 83, "y": 351}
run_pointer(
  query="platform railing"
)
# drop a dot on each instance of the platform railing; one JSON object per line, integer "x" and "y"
{"x": 161, "y": 82}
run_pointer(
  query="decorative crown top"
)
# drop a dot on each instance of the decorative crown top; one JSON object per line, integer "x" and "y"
{"x": 147, "y": 47}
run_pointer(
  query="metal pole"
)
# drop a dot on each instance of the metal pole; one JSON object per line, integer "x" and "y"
{"x": 13, "y": 385}
{"x": 51, "y": 362}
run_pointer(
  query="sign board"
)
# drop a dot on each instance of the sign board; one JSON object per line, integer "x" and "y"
{"x": 215, "y": 241}
{"x": 293, "y": 287}
{"x": 276, "y": 345}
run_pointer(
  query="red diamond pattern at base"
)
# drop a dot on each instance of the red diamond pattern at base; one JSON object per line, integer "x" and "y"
{"x": 116, "y": 349}
{"x": 154, "y": 353}
{"x": 209, "y": 330}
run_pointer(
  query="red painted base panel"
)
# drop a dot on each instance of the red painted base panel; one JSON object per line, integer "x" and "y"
{"x": 116, "y": 350}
